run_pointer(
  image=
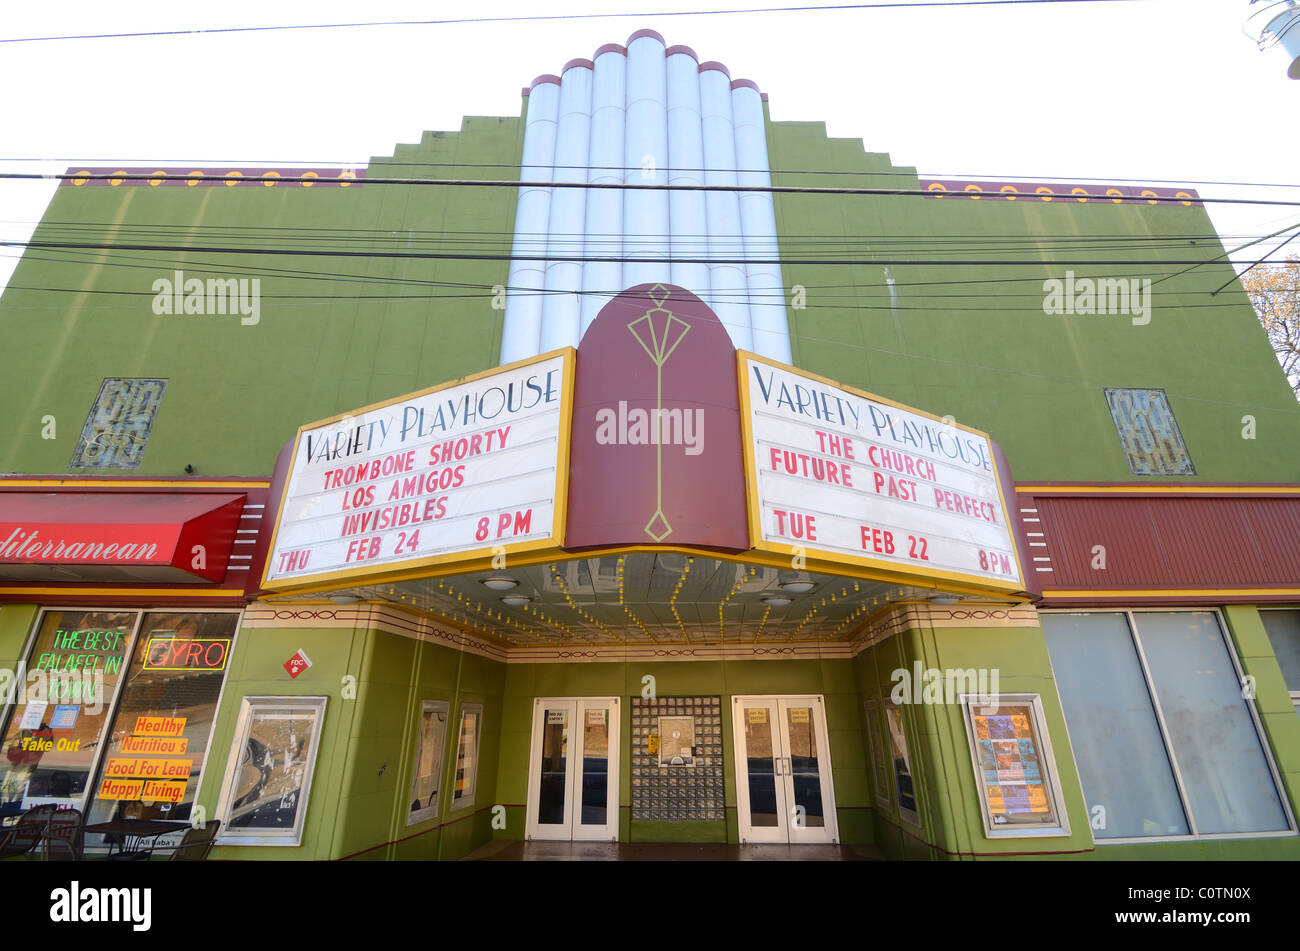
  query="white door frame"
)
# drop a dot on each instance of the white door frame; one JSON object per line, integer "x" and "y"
{"x": 786, "y": 830}
{"x": 573, "y": 829}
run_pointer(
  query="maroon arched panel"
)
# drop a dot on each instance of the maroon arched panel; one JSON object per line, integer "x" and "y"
{"x": 656, "y": 453}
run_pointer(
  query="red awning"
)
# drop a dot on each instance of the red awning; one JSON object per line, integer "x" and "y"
{"x": 110, "y": 536}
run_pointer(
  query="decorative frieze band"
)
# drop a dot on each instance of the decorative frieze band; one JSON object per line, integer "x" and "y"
{"x": 395, "y": 621}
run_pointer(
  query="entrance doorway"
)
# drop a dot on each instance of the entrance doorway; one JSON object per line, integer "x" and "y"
{"x": 573, "y": 769}
{"x": 784, "y": 792}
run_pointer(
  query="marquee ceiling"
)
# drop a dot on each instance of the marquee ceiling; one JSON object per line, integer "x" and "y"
{"x": 647, "y": 597}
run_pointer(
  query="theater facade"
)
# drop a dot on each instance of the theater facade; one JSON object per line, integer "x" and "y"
{"x": 642, "y": 469}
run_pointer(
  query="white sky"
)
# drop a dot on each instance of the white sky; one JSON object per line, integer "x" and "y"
{"x": 1159, "y": 89}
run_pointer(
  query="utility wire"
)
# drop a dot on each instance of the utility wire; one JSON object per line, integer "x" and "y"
{"x": 970, "y": 177}
{"x": 1227, "y": 254}
{"x": 1238, "y": 277}
{"x": 458, "y": 21}
{"x": 482, "y": 291}
{"x": 507, "y": 238}
{"x": 577, "y": 259}
{"x": 628, "y": 186}
{"x": 702, "y": 245}
{"x": 121, "y": 261}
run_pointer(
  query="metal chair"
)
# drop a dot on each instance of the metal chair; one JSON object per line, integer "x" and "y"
{"x": 26, "y": 834}
{"x": 197, "y": 843}
{"x": 63, "y": 837}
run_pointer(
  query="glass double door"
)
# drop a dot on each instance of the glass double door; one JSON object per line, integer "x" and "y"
{"x": 783, "y": 771}
{"x": 573, "y": 769}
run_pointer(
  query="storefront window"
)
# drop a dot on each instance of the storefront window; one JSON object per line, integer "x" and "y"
{"x": 467, "y": 755}
{"x": 268, "y": 777}
{"x": 61, "y": 698}
{"x": 1165, "y": 743}
{"x": 158, "y": 744}
{"x": 1128, "y": 781}
{"x": 427, "y": 781}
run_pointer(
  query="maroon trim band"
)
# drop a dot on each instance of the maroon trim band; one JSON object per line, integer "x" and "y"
{"x": 747, "y": 84}
{"x": 718, "y": 66}
{"x": 640, "y": 33}
{"x": 609, "y": 48}
{"x": 585, "y": 63}
{"x": 674, "y": 50}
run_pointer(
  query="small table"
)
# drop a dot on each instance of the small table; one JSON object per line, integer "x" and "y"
{"x": 134, "y": 832}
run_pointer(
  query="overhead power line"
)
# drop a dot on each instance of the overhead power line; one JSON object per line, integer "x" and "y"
{"x": 681, "y": 244}
{"x": 484, "y": 291}
{"x": 461, "y": 21}
{"x": 119, "y": 261}
{"x": 972, "y": 177}
{"x": 619, "y": 258}
{"x": 630, "y": 186}
{"x": 405, "y": 235}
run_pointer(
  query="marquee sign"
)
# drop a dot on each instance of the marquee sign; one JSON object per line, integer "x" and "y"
{"x": 848, "y": 477}
{"x": 459, "y": 471}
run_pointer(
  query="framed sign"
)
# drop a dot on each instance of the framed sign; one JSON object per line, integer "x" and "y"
{"x": 467, "y": 756}
{"x": 268, "y": 776}
{"x": 677, "y": 741}
{"x": 462, "y": 471}
{"x": 902, "y": 765}
{"x": 840, "y": 475}
{"x": 1020, "y": 793}
{"x": 427, "y": 777}
{"x": 878, "y": 765}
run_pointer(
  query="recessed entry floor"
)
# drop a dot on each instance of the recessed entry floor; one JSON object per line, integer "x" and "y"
{"x": 510, "y": 851}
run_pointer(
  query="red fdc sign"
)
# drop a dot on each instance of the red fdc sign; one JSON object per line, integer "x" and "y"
{"x": 297, "y": 664}
{"x": 177, "y": 653}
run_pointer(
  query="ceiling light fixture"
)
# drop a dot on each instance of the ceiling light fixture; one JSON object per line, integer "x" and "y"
{"x": 797, "y": 587}
{"x": 777, "y": 601}
{"x": 516, "y": 600}
{"x": 344, "y": 598}
{"x": 499, "y": 583}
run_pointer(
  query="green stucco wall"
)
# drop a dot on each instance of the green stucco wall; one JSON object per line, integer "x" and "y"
{"x": 338, "y": 333}
{"x": 335, "y": 333}
{"x": 360, "y": 792}
{"x": 974, "y": 342}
